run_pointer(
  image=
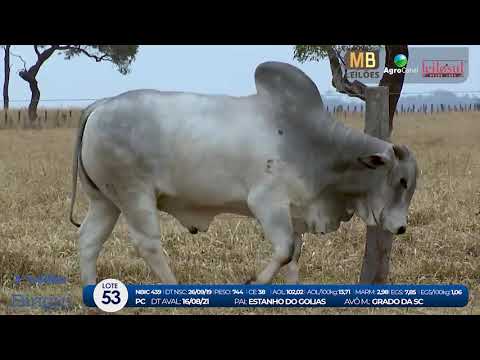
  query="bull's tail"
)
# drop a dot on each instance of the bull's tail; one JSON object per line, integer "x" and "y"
{"x": 77, "y": 161}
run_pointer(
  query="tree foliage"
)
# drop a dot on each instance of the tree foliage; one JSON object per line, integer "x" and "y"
{"x": 304, "y": 53}
{"x": 120, "y": 55}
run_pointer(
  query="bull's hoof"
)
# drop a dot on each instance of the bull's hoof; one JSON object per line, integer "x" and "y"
{"x": 251, "y": 280}
{"x": 93, "y": 311}
{"x": 193, "y": 230}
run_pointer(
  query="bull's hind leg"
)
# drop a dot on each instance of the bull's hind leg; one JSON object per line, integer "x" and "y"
{"x": 273, "y": 213}
{"x": 292, "y": 275}
{"x": 140, "y": 211}
{"x": 97, "y": 226}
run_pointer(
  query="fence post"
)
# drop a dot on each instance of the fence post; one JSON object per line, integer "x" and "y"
{"x": 378, "y": 246}
{"x": 377, "y": 121}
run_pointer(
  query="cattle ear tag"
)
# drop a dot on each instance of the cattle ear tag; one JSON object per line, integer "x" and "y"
{"x": 373, "y": 161}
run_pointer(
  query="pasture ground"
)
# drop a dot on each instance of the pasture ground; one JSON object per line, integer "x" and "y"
{"x": 441, "y": 245}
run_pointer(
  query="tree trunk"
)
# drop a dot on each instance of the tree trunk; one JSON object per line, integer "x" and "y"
{"x": 394, "y": 82}
{"x": 30, "y": 77}
{"x": 34, "y": 100}
{"x": 7, "y": 77}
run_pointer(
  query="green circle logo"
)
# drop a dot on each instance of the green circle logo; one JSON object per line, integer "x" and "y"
{"x": 400, "y": 60}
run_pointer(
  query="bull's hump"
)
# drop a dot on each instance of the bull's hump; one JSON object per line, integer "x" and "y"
{"x": 288, "y": 84}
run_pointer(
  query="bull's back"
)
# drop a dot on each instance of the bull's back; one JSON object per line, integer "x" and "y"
{"x": 208, "y": 148}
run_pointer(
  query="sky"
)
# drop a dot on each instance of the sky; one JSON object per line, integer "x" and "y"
{"x": 209, "y": 69}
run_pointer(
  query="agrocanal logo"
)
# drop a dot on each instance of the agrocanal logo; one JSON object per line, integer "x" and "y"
{"x": 401, "y": 62}
{"x": 366, "y": 65}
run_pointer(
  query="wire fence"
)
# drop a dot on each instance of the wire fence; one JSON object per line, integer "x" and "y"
{"x": 404, "y": 109}
{"x": 327, "y": 94}
{"x": 68, "y": 116}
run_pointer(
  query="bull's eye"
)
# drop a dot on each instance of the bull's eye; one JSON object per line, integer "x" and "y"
{"x": 403, "y": 182}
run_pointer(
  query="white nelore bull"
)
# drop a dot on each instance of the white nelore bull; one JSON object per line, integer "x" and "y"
{"x": 275, "y": 155}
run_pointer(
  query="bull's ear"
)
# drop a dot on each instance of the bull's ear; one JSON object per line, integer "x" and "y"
{"x": 374, "y": 161}
{"x": 401, "y": 151}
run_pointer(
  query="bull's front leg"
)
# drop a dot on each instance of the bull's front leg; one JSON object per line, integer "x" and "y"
{"x": 272, "y": 210}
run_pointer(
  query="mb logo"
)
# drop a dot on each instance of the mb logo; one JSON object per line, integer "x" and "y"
{"x": 362, "y": 60}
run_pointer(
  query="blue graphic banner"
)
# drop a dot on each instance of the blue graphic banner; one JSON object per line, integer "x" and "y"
{"x": 279, "y": 296}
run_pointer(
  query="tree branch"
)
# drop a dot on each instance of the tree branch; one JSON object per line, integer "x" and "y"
{"x": 340, "y": 81}
{"x": 36, "y": 50}
{"x": 24, "y": 62}
{"x": 105, "y": 57}
{"x": 339, "y": 57}
{"x": 30, "y": 74}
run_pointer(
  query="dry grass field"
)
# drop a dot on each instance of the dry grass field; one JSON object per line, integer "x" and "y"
{"x": 441, "y": 245}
